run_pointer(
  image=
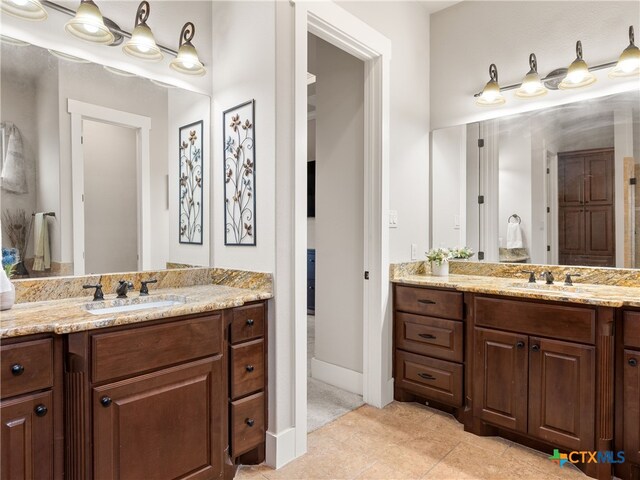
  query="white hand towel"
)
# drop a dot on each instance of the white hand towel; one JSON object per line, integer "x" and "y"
{"x": 514, "y": 236}
{"x": 42, "y": 260}
{"x": 14, "y": 177}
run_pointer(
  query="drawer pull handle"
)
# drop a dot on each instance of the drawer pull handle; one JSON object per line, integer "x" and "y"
{"x": 520, "y": 344}
{"x": 535, "y": 348}
{"x": 250, "y": 322}
{"x": 426, "y": 376}
{"x": 250, "y": 368}
{"x": 17, "y": 369}
{"x": 427, "y": 302}
{"x": 633, "y": 362}
{"x": 250, "y": 422}
{"x": 40, "y": 410}
{"x": 426, "y": 335}
{"x": 105, "y": 401}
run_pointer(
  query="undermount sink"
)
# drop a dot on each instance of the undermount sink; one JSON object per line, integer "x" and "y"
{"x": 556, "y": 288}
{"x": 123, "y": 305}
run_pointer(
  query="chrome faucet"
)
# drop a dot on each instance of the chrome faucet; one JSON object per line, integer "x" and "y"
{"x": 123, "y": 288}
{"x": 548, "y": 277}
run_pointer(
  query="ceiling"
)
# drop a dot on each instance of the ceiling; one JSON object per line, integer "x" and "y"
{"x": 433, "y": 6}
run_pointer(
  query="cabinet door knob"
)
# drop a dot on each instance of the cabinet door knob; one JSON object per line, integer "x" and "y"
{"x": 250, "y": 368}
{"x": 40, "y": 410}
{"x": 520, "y": 344}
{"x": 250, "y": 422}
{"x": 633, "y": 362}
{"x": 105, "y": 401}
{"x": 250, "y": 322}
{"x": 17, "y": 369}
{"x": 535, "y": 348}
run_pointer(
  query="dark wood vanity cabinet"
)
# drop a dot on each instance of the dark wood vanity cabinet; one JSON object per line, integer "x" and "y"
{"x": 30, "y": 408}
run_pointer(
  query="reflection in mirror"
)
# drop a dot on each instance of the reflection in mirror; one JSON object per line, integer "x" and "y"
{"x": 554, "y": 186}
{"x": 89, "y": 165}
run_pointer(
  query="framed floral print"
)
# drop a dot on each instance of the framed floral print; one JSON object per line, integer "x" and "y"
{"x": 191, "y": 183}
{"x": 239, "y": 175}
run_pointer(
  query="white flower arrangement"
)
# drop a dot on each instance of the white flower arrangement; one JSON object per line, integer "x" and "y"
{"x": 461, "y": 253}
{"x": 443, "y": 255}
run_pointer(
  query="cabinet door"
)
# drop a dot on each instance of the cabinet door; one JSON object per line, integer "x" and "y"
{"x": 500, "y": 378}
{"x": 631, "y": 407}
{"x": 562, "y": 393}
{"x": 27, "y": 437}
{"x": 570, "y": 180}
{"x": 166, "y": 424}
{"x": 599, "y": 178}
{"x": 599, "y": 237}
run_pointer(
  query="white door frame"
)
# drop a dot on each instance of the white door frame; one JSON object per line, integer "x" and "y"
{"x": 81, "y": 111}
{"x": 345, "y": 31}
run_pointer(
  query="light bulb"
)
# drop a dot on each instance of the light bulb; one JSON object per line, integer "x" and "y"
{"x": 90, "y": 28}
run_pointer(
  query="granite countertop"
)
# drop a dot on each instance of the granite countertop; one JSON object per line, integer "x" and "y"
{"x": 589, "y": 294}
{"x": 69, "y": 315}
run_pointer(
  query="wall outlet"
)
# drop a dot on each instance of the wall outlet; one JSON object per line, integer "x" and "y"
{"x": 414, "y": 251}
{"x": 393, "y": 219}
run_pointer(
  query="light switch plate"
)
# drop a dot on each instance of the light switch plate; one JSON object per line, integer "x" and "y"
{"x": 393, "y": 219}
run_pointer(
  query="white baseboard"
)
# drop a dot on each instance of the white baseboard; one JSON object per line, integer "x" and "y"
{"x": 387, "y": 393}
{"x": 340, "y": 377}
{"x": 280, "y": 448}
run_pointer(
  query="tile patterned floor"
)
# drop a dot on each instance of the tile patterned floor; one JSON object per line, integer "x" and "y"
{"x": 408, "y": 441}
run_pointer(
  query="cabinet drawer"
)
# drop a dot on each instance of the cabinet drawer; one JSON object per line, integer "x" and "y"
{"x": 247, "y": 323}
{"x": 26, "y": 366}
{"x": 136, "y": 350}
{"x": 426, "y": 301}
{"x": 558, "y": 321}
{"x": 247, "y": 368}
{"x": 247, "y": 424}
{"x": 632, "y": 329}
{"x": 435, "y": 379}
{"x": 430, "y": 336}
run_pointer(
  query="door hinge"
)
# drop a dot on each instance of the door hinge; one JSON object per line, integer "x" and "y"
{"x": 548, "y": 248}
{"x": 480, "y": 142}
{"x": 480, "y": 199}
{"x": 548, "y": 171}
{"x": 366, "y": 275}
{"x": 82, "y": 140}
{"x": 633, "y": 181}
{"x": 480, "y": 255}
{"x": 548, "y": 210}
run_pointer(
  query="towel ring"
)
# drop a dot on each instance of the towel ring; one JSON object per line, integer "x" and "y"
{"x": 516, "y": 217}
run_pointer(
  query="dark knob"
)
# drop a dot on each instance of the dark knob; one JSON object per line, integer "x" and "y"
{"x": 520, "y": 344}
{"x": 105, "y": 401}
{"x": 633, "y": 362}
{"x": 535, "y": 348}
{"x": 17, "y": 369}
{"x": 40, "y": 410}
{"x": 250, "y": 322}
{"x": 250, "y": 368}
{"x": 250, "y": 422}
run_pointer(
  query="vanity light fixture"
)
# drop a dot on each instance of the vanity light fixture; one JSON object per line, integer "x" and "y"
{"x": 88, "y": 24}
{"x": 142, "y": 44}
{"x": 187, "y": 61}
{"x": 491, "y": 92}
{"x": 578, "y": 75}
{"x": 531, "y": 84}
{"x": 24, "y": 9}
{"x": 629, "y": 62}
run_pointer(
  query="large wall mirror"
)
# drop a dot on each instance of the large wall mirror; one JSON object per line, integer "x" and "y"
{"x": 553, "y": 186}
{"x": 90, "y": 165}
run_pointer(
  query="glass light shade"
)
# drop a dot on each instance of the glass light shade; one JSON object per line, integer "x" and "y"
{"x": 88, "y": 25}
{"x": 531, "y": 86}
{"x": 143, "y": 45}
{"x": 187, "y": 61}
{"x": 490, "y": 95}
{"x": 628, "y": 64}
{"x": 24, "y": 9}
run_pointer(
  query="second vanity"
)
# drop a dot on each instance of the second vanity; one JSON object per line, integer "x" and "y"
{"x": 548, "y": 367}
{"x": 172, "y": 392}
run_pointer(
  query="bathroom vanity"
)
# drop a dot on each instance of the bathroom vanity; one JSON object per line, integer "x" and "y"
{"x": 548, "y": 369}
{"x": 166, "y": 395}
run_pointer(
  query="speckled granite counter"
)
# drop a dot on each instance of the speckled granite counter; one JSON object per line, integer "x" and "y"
{"x": 585, "y": 293}
{"x": 70, "y": 315}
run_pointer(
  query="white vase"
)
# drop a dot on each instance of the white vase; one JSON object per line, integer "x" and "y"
{"x": 440, "y": 270}
{"x": 8, "y": 298}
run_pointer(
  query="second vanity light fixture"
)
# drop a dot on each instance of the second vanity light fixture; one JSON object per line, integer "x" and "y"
{"x": 578, "y": 75}
{"x": 142, "y": 44}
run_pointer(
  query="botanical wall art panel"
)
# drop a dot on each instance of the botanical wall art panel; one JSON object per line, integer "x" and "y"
{"x": 239, "y": 175}
{"x": 191, "y": 183}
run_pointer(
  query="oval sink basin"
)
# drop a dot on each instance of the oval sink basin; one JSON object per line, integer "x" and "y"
{"x": 548, "y": 288}
{"x": 124, "y": 305}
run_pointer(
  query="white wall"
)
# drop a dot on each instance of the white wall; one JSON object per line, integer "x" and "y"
{"x": 339, "y": 208}
{"x": 448, "y": 188}
{"x": 406, "y": 25}
{"x": 468, "y": 36}
{"x": 185, "y": 108}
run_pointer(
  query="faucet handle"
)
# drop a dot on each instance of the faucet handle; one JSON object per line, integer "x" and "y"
{"x": 144, "y": 290}
{"x": 567, "y": 278}
{"x": 532, "y": 275}
{"x": 98, "y": 294}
